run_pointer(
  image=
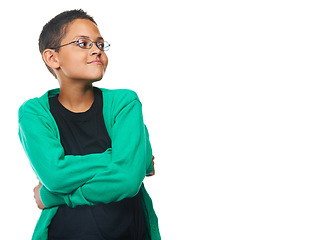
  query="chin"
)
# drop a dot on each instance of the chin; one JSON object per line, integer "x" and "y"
{"x": 97, "y": 78}
{"x": 94, "y": 76}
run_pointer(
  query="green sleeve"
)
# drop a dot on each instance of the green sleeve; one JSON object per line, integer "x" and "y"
{"x": 122, "y": 178}
{"x": 149, "y": 153}
{"x": 57, "y": 172}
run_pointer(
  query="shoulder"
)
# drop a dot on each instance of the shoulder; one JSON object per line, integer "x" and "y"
{"x": 124, "y": 95}
{"x": 115, "y": 101}
{"x": 36, "y": 106}
{"x": 119, "y": 98}
{"x": 29, "y": 106}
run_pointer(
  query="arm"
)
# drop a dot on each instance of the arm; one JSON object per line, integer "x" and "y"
{"x": 57, "y": 172}
{"x": 56, "y": 199}
{"x": 131, "y": 161}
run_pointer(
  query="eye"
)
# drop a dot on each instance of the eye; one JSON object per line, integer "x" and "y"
{"x": 84, "y": 43}
{"x": 101, "y": 45}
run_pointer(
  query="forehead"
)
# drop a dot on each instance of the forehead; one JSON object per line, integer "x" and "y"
{"x": 82, "y": 27}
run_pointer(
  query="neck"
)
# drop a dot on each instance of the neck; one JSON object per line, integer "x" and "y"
{"x": 76, "y": 97}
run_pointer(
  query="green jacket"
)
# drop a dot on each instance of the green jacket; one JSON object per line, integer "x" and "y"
{"x": 90, "y": 179}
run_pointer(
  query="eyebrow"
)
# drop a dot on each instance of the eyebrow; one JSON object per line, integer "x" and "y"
{"x": 84, "y": 36}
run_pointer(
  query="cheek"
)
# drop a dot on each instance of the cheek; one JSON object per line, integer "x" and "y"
{"x": 76, "y": 62}
{"x": 79, "y": 60}
{"x": 73, "y": 65}
{"x": 105, "y": 61}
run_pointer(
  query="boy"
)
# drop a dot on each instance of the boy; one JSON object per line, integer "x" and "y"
{"x": 88, "y": 146}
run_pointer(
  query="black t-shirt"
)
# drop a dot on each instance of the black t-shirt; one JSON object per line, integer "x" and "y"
{"x": 81, "y": 134}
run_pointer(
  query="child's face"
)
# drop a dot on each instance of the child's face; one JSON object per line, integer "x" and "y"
{"x": 76, "y": 63}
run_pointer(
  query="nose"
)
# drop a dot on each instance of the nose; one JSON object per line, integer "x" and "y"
{"x": 95, "y": 50}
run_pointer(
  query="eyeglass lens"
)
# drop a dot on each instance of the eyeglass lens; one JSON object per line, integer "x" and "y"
{"x": 86, "y": 44}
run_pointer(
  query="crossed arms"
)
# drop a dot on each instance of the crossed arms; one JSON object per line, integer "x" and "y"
{"x": 89, "y": 179}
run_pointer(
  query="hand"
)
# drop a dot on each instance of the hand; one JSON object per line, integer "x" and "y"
{"x": 153, "y": 172}
{"x": 37, "y": 196}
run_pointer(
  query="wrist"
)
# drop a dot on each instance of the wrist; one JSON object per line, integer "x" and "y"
{"x": 50, "y": 199}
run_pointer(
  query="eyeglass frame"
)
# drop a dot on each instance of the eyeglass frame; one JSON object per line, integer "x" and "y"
{"x": 91, "y": 44}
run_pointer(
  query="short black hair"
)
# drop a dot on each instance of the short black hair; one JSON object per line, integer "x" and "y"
{"x": 55, "y": 30}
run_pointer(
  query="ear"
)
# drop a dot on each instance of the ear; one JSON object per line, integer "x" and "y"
{"x": 50, "y": 58}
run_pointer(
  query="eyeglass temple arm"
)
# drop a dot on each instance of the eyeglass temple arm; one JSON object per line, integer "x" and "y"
{"x": 65, "y": 44}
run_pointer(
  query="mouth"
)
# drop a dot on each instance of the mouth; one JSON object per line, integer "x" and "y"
{"x": 97, "y": 62}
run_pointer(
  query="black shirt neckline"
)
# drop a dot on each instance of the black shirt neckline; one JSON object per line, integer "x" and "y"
{"x": 78, "y": 116}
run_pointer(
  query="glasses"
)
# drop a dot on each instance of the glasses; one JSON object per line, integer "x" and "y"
{"x": 87, "y": 44}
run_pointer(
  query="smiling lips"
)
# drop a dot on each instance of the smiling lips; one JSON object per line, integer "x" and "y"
{"x": 95, "y": 62}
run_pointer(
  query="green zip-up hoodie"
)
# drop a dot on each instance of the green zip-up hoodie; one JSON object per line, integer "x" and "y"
{"x": 90, "y": 179}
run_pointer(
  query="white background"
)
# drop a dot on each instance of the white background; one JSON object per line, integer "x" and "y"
{"x": 229, "y": 96}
